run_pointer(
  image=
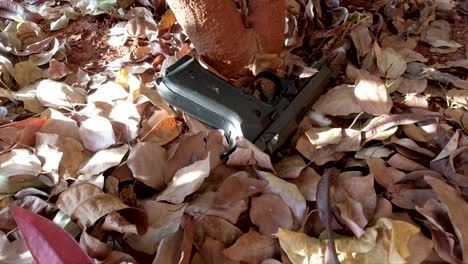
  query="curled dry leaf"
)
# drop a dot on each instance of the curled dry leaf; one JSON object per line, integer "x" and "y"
{"x": 339, "y": 101}
{"x": 146, "y": 161}
{"x": 86, "y": 203}
{"x": 164, "y": 220}
{"x": 103, "y": 160}
{"x": 238, "y": 187}
{"x": 96, "y": 133}
{"x": 373, "y": 152}
{"x": 387, "y": 240}
{"x": 372, "y": 96}
{"x": 288, "y": 192}
{"x": 456, "y": 207}
{"x": 252, "y": 247}
{"x": 269, "y": 213}
{"x": 358, "y": 188}
{"x": 186, "y": 181}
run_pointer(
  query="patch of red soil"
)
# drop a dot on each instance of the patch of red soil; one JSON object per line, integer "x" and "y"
{"x": 459, "y": 34}
{"x": 88, "y": 41}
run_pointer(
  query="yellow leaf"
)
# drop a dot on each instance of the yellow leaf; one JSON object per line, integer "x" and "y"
{"x": 167, "y": 20}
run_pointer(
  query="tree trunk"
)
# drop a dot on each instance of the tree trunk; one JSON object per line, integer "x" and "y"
{"x": 216, "y": 30}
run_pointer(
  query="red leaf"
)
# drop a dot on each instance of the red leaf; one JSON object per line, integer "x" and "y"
{"x": 33, "y": 121}
{"x": 47, "y": 242}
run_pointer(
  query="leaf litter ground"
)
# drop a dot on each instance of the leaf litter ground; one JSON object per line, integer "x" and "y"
{"x": 376, "y": 172}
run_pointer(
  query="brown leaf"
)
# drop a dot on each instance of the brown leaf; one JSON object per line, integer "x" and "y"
{"x": 307, "y": 183}
{"x": 288, "y": 192}
{"x": 362, "y": 40}
{"x": 247, "y": 153}
{"x": 290, "y": 167}
{"x": 237, "y": 187}
{"x": 410, "y": 198}
{"x": 401, "y": 162}
{"x": 164, "y": 220}
{"x": 86, "y": 203}
{"x": 412, "y": 85}
{"x": 56, "y": 70}
{"x": 58, "y": 123}
{"x": 170, "y": 249}
{"x": 438, "y": 35}
{"x": 216, "y": 228}
{"x": 456, "y": 208}
{"x": 372, "y": 96}
{"x": 384, "y": 175}
{"x": 204, "y": 205}
{"x": 146, "y": 161}
{"x": 189, "y": 150}
{"x": 115, "y": 222}
{"x": 390, "y": 63}
{"x": 94, "y": 247}
{"x": 411, "y": 145}
{"x": 103, "y": 160}
{"x": 339, "y": 101}
{"x": 358, "y": 188}
{"x": 186, "y": 181}
{"x": 96, "y": 133}
{"x": 211, "y": 252}
{"x": 269, "y": 213}
{"x": 352, "y": 214}
{"x": 252, "y": 247}
{"x": 373, "y": 152}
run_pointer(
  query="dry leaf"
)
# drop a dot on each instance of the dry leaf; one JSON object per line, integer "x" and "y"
{"x": 170, "y": 249}
{"x": 237, "y": 187}
{"x": 412, "y": 86}
{"x": 384, "y": 175}
{"x": 26, "y": 72}
{"x": 401, "y": 162}
{"x": 86, "y": 203}
{"x": 216, "y": 228}
{"x": 288, "y": 192}
{"x": 269, "y": 213}
{"x": 290, "y": 167}
{"x": 361, "y": 39}
{"x": 456, "y": 207}
{"x": 247, "y": 153}
{"x": 96, "y": 133}
{"x": 438, "y": 35}
{"x": 391, "y": 64}
{"x": 103, "y": 160}
{"x": 339, "y": 101}
{"x": 307, "y": 183}
{"x": 352, "y": 215}
{"x": 164, "y": 220}
{"x": 186, "y": 181}
{"x": 58, "y": 123}
{"x": 204, "y": 204}
{"x": 56, "y": 70}
{"x": 252, "y": 247}
{"x": 372, "y": 96}
{"x": 146, "y": 161}
{"x": 18, "y": 162}
{"x": 57, "y": 94}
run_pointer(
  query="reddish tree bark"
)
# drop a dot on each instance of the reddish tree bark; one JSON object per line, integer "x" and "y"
{"x": 216, "y": 30}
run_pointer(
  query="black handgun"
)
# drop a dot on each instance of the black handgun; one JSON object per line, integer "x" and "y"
{"x": 266, "y": 118}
